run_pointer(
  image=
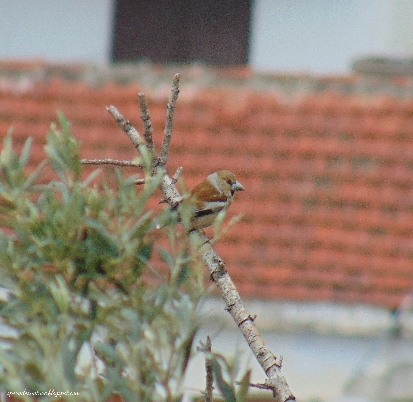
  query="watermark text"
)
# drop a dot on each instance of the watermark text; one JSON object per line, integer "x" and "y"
{"x": 50, "y": 392}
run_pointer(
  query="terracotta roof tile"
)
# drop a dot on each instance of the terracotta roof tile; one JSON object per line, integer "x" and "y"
{"x": 328, "y": 206}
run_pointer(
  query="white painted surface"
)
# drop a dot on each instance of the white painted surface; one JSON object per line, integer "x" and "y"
{"x": 331, "y": 352}
{"x": 324, "y": 36}
{"x": 56, "y": 30}
{"x": 315, "y": 366}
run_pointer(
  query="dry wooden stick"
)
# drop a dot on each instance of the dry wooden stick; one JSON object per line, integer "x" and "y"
{"x": 209, "y": 379}
{"x": 177, "y": 174}
{"x": 147, "y": 124}
{"x": 170, "y": 110}
{"x": 271, "y": 365}
{"x": 126, "y": 127}
{"x": 109, "y": 161}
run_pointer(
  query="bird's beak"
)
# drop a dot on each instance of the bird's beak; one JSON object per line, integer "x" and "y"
{"x": 237, "y": 186}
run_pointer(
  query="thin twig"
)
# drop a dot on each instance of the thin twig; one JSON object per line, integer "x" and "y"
{"x": 147, "y": 124}
{"x": 209, "y": 379}
{"x": 177, "y": 174}
{"x": 170, "y": 110}
{"x": 126, "y": 127}
{"x": 109, "y": 161}
{"x": 260, "y": 386}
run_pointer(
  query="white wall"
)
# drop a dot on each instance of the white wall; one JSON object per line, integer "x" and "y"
{"x": 401, "y": 33}
{"x": 317, "y": 36}
{"x": 57, "y": 30}
{"x": 331, "y": 352}
{"x": 315, "y": 367}
{"x": 324, "y": 36}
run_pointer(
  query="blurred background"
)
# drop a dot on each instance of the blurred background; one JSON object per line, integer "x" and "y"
{"x": 310, "y": 103}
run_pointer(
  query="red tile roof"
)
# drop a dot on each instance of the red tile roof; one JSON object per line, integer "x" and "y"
{"x": 328, "y": 206}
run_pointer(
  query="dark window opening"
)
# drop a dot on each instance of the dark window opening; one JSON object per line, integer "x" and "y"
{"x": 162, "y": 31}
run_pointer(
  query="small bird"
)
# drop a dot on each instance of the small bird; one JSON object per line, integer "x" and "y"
{"x": 212, "y": 196}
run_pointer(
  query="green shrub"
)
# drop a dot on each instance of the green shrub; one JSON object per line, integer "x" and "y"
{"x": 80, "y": 310}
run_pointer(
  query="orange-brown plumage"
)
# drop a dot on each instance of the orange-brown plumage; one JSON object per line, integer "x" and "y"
{"x": 211, "y": 196}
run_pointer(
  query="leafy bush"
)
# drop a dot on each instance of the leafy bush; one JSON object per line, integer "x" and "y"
{"x": 80, "y": 309}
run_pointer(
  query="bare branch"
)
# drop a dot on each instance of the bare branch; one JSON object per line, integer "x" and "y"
{"x": 270, "y": 364}
{"x": 109, "y": 161}
{"x": 169, "y": 192}
{"x": 209, "y": 379}
{"x": 147, "y": 124}
{"x": 177, "y": 174}
{"x": 126, "y": 127}
{"x": 170, "y": 110}
{"x": 260, "y": 386}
